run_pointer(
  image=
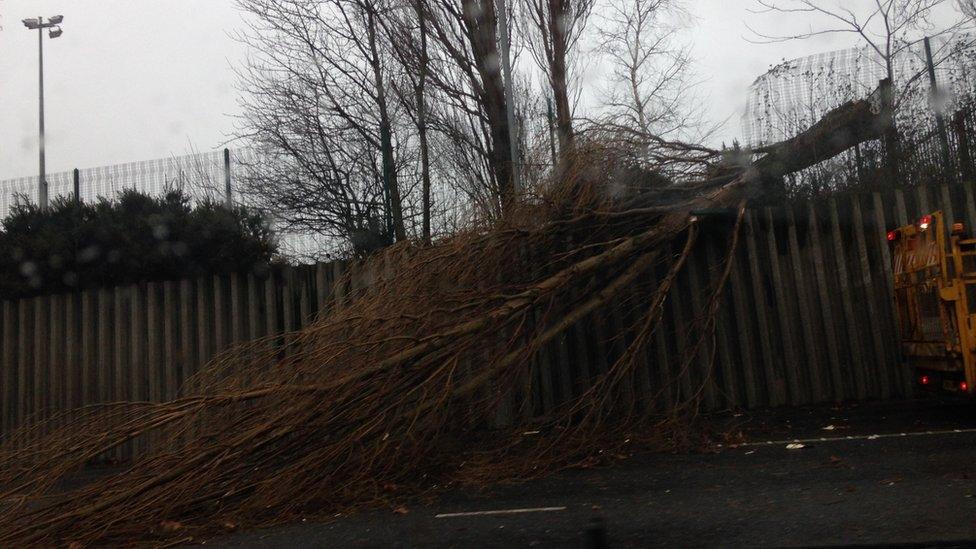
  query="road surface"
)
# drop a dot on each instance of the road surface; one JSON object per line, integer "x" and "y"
{"x": 866, "y": 475}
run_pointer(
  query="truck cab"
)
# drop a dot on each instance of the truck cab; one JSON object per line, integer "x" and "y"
{"x": 934, "y": 268}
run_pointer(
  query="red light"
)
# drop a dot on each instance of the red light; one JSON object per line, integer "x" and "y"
{"x": 892, "y": 236}
{"x": 925, "y": 222}
{"x": 963, "y": 386}
{"x": 924, "y": 380}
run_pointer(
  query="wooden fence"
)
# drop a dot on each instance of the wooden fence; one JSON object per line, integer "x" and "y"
{"x": 806, "y": 318}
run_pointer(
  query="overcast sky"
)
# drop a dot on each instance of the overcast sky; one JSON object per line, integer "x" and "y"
{"x": 137, "y": 79}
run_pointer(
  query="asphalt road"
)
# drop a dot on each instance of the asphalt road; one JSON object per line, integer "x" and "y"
{"x": 884, "y": 474}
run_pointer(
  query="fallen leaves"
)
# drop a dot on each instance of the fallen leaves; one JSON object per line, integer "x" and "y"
{"x": 170, "y": 526}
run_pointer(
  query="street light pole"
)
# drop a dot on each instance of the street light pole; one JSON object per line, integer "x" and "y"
{"x": 53, "y": 23}
{"x": 42, "y": 182}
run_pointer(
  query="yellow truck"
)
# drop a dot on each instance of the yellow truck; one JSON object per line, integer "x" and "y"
{"x": 934, "y": 269}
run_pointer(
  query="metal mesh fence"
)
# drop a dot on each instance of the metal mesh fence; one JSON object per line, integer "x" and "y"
{"x": 926, "y": 156}
{"x": 198, "y": 174}
{"x": 795, "y": 94}
{"x": 201, "y": 176}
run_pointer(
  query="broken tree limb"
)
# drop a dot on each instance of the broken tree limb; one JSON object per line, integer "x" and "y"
{"x": 840, "y": 129}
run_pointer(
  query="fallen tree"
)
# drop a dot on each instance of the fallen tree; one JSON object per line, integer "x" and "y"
{"x": 391, "y": 395}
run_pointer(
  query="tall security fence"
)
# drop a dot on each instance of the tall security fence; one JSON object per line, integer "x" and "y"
{"x": 209, "y": 175}
{"x": 795, "y": 94}
{"x": 200, "y": 175}
{"x": 806, "y": 317}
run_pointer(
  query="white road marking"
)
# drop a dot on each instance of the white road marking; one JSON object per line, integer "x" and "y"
{"x": 850, "y": 437}
{"x": 501, "y": 512}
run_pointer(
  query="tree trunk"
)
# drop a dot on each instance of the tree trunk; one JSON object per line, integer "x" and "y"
{"x": 889, "y": 130}
{"x": 482, "y": 22}
{"x": 558, "y": 12}
{"x": 386, "y": 134}
{"x": 422, "y": 122}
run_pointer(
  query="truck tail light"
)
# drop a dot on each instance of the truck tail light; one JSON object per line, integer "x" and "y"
{"x": 925, "y": 222}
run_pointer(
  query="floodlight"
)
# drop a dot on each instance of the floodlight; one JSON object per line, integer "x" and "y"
{"x": 53, "y": 25}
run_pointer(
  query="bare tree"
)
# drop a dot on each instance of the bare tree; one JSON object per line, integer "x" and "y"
{"x": 650, "y": 91}
{"x": 890, "y": 29}
{"x": 464, "y": 69}
{"x": 552, "y": 29}
{"x": 420, "y": 90}
{"x": 315, "y": 108}
{"x": 405, "y": 24}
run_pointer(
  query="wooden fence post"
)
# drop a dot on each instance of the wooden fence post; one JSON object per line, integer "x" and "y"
{"x": 827, "y": 310}
{"x": 10, "y": 382}
{"x": 723, "y": 331}
{"x": 804, "y": 284}
{"x": 847, "y": 302}
{"x": 72, "y": 353}
{"x": 170, "y": 341}
{"x": 120, "y": 377}
{"x": 89, "y": 347}
{"x": 699, "y": 290}
{"x": 24, "y": 378}
{"x": 288, "y": 304}
{"x": 339, "y": 282}
{"x": 682, "y": 392}
{"x": 236, "y": 309}
{"x": 271, "y": 307}
{"x": 56, "y": 360}
{"x": 304, "y": 299}
{"x": 253, "y": 308}
{"x": 792, "y": 361}
{"x": 220, "y": 311}
{"x": 874, "y": 319}
{"x": 189, "y": 363}
{"x": 888, "y": 291}
{"x": 40, "y": 389}
{"x": 323, "y": 289}
{"x": 137, "y": 355}
{"x": 743, "y": 322}
{"x": 774, "y": 381}
{"x": 154, "y": 343}
{"x": 204, "y": 328}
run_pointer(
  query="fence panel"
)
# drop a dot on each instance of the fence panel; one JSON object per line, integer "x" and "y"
{"x": 9, "y": 353}
{"x": 806, "y": 316}
{"x": 784, "y": 313}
